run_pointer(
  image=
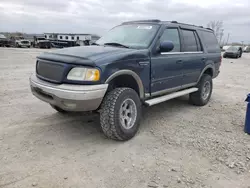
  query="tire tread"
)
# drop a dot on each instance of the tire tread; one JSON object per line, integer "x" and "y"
{"x": 107, "y": 114}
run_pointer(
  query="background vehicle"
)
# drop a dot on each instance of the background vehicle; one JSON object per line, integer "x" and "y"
{"x": 41, "y": 42}
{"x": 246, "y": 49}
{"x": 4, "y": 42}
{"x": 233, "y": 51}
{"x": 22, "y": 43}
{"x": 137, "y": 63}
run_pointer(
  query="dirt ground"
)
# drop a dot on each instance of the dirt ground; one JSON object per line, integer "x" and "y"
{"x": 178, "y": 145}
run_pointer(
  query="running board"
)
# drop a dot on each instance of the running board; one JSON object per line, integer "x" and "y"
{"x": 167, "y": 97}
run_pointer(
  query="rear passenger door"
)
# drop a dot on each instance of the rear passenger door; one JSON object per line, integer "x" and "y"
{"x": 193, "y": 58}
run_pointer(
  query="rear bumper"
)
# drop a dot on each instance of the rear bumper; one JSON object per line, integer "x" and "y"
{"x": 69, "y": 97}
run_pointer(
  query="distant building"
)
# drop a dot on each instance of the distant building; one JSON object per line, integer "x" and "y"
{"x": 71, "y": 39}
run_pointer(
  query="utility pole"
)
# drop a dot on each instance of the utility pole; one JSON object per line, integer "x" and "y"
{"x": 228, "y": 37}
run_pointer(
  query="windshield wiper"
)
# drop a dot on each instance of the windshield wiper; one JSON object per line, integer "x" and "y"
{"x": 116, "y": 44}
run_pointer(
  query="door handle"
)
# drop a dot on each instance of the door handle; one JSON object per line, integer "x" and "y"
{"x": 143, "y": 63}
{"x": 203, "y": 59}
{"x": 179, "y": 61}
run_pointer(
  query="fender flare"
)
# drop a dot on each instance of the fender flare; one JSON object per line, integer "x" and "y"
{"x": 131, "y": 73}
{"x": 206, "y": 67}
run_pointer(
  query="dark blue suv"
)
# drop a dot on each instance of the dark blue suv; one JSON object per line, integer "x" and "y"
{"x": 137, "y": 63}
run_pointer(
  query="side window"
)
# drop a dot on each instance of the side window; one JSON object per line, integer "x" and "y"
{"x": 172, "y": 34}
{"x": 190, "y": 44}
{"x": 210, "y": 42}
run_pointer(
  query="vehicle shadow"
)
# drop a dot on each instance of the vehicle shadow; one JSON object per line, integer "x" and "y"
{"x": 85, "y": 127}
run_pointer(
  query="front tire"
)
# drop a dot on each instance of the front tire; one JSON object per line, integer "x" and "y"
{"x": 203, "y": 95}
{"x": 120, "y": 114}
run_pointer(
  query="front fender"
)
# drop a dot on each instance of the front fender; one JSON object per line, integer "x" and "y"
{"x": 131, "y": 73}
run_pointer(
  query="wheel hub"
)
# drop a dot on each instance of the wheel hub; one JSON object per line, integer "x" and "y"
{"x": 206, "y": 90}
{"x": 128, "y": 113}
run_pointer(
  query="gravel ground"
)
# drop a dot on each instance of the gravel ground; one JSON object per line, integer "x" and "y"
{"x": 178, "y": 145}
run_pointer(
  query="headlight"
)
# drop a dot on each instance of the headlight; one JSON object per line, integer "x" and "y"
{"x": 83, "y": 74}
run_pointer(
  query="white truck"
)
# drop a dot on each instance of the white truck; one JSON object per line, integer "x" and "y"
{"x": 22, "y": 43}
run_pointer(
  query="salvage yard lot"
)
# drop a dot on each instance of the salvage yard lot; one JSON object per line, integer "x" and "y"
{"x": 178, "y": 145}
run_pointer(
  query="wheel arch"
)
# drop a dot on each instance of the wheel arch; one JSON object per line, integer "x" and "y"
{"x": 128, "y": 74}
{"x": 209, "y": 69}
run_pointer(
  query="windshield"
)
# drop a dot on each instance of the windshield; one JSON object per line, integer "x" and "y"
{"x": 132, "y": 36}
{"x": 233, "y": 48}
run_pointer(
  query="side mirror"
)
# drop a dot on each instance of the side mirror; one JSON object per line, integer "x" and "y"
{"x": 166, "y": 46}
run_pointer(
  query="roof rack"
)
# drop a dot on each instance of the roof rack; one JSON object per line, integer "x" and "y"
{"x": 143, "y": 21}
{"x": 190, "y": 25}
{"x": 209, "y": 29}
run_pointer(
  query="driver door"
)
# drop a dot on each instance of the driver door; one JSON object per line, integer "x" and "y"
{"x": 166, "y": 67}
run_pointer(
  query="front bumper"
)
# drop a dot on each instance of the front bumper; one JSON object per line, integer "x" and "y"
{"x": 230, "y": 54}
{"x": 67, "y": 96}
{"x": 24, "y": 45}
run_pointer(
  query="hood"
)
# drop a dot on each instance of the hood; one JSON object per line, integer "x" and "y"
{"x": 231, "y": 51}
{"x": 84, "y": 54}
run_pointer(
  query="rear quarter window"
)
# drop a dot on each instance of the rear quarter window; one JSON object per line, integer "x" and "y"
{"x": 210, "y": 42}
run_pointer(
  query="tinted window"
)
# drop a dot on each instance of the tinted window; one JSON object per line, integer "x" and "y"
{"x": 60, "y": 37}
{"x": 66, "y": 37}
{"x": 189, "y": 40}
{"x": 173, "y": 36}
{"x": 77, "y": 38}
{"x": 210, "y": 42}
{"x": 72, "y": 38}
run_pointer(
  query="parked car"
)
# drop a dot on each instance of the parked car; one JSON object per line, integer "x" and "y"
{"x": 41, "y": 42}
{"x": 246, "y": 49}
{"x": 22, "y": 43}
{"x": 137, "y": 63}
{"x": 233, "y": 52}
{"x": 4, "y": 42}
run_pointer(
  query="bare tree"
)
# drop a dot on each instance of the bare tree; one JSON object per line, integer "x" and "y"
{"x": 217, "y": 26}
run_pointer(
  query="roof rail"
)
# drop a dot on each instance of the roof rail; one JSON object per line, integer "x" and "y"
{"x": 191, "y": 25}
{"x": 209, "y": 29}
{"x": 142, "y": 21}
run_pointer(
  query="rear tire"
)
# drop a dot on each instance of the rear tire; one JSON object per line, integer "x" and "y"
{"x": 58, "y": 109}
{"x": 120, "y": 114}
{"x": 203, "y": 95}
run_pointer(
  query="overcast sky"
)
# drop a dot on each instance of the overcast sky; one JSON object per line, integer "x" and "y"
{"x": 97, "y": 16}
